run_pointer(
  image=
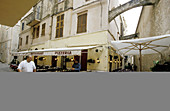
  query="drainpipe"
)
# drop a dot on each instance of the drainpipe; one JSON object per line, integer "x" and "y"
{"x": 101, "y": 14}
{"x": 41, "y": 9}
{"x": 52, "y": 15}
{"x": 51, "y": 27}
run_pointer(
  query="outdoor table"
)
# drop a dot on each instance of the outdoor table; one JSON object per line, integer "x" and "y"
{"x": 41, "y": 70}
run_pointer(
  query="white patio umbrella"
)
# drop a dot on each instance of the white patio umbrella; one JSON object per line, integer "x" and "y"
{"x": 141, "y": 46}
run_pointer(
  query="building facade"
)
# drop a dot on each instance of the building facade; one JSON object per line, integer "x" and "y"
{"x": 71, "y": 24}
{"x": 9, "y": 37}
{"x": 154, "y": 21}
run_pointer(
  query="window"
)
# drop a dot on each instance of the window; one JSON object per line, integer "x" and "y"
{"x": 20, "y": 42}
{"x": 22, "y": 26}
{"x": 27, "y": 39}
{"x": 43, "y": 29}
{"x": 60, "y": 26}
{"x": 82, "y": 23}
{"x": 60, "y": 1}
{"x": 37, "y": 32}
{"x": 34, "y": 33}
{"x": 5, "y": 45}
{"x": 38, "y": 12}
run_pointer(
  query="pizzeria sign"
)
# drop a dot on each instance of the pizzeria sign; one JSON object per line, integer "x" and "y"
{"x": 54, "y": 53}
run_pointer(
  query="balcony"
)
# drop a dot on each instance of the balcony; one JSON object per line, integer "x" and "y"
{"x": 33, "y": 19}
{"x": 63, "y": 5}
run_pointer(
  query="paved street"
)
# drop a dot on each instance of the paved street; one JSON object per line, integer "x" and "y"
{"x": 5, "y": 67}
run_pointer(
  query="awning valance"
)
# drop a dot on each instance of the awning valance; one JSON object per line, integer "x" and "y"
{"x": 54, "y": 51}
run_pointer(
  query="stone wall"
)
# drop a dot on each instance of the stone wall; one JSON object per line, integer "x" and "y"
{"x": 154, "y": 21}
{"x": 8, "y": 42}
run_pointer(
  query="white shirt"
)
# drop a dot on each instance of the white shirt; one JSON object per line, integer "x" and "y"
{"x": 27, "y": 66}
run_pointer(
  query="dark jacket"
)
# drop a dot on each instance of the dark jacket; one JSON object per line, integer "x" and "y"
{"x": 77, "y": 66}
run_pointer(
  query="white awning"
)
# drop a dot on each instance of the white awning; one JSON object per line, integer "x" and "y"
{"x": 54, "y": 51}
{"x": 148, "y": 45}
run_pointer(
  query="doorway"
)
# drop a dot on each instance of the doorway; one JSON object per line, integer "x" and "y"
{"x": 63, "y": 62}
{"x": 35, "y": 60}
{"x": 54, "y": 61}
{"x": 84, "y": 60}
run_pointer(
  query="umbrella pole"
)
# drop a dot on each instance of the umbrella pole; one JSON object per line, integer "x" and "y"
{"x": 123, "y": 62}
{"x": 140, "y": 58}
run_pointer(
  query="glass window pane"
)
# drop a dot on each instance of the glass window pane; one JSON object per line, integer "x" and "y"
{"x": 83, "y": 28}
{"x": 79, "y": 30}
{"x": 58, "y": 18}
{"x": 62, "y": 17}
{"x": 61, "y": 32}
{"x": 43, "y": 29}
{"x": 57, "y": 24}
{"x": 84, "y": 18}
{"x": 61, "y": 23}
{"x": 38, "y": 31}
{"x": 79, "y": 21}
{"x": 57, "y": 33}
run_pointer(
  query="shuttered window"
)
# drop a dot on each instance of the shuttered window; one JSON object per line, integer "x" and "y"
{"x": 38, "y": 31}
{"x": 43, "y": 29}
{"x": 60, "y": 26}
{"x": 82, "y": 23}
{"x": 27, "y": 39}
{"x": 34, "y": 33}
{"x": 20, "y": 42}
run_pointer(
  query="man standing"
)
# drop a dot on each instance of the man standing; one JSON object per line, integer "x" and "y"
{"x": 27, "y": 65}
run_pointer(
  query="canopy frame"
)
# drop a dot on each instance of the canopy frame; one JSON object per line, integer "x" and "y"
{"x": 137, "y": 45}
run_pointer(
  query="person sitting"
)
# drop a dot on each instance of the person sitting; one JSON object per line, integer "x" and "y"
{"x": 76, "y": 66}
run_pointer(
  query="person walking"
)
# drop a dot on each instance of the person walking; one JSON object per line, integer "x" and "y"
{"x": 27, "y": 65}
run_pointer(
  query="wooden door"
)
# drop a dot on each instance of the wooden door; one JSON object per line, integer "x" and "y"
{"x": 84, "y": 60}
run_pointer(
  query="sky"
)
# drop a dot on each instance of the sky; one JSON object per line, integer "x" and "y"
{"x": 131, "y": 17}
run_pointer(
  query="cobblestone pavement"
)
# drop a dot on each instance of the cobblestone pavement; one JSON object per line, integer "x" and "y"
{"x": 5, "y": 68}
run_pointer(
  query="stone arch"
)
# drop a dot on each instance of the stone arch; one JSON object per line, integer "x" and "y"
{"x": 129, "y": 5}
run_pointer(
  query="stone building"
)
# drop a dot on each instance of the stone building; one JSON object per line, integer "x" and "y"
{"x": 154, "y": 21}
{"x": 73, "y": 24}
{"x": 9, "y": 37}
